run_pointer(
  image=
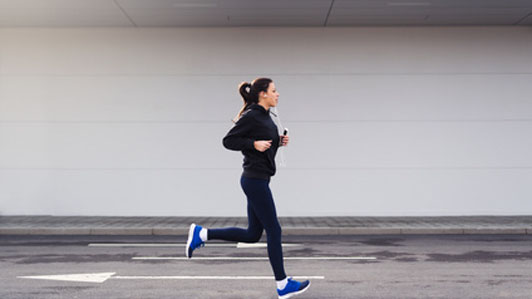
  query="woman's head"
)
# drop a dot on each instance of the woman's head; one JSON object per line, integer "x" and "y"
{"x": 251, "y": 92}
{"x": 261, "y": 90}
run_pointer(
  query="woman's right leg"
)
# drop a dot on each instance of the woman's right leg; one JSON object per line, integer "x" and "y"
{"x": 250, "y": 235}
{"x": 261, "y": 201}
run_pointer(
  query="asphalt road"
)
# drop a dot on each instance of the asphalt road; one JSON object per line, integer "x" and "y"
{"x": 446, "y": 266}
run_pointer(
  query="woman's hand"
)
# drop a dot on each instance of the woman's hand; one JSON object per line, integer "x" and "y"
{"x": 284, "y": 140}
{"x": 262, "y": 145}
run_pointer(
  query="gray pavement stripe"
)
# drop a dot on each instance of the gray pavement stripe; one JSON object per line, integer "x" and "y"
{"x": 286, "y": 231}
{"x": 258, "y": 258}
{"x": 236, "y": 245}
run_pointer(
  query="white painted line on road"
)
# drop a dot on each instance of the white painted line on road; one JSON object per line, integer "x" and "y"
{"x": 260, "y": 245}
{"x": 237, "y": 245}
{"x": 214, "y": 277}
{"x": 102, "y": 277}
{"x": 247, "y": 258}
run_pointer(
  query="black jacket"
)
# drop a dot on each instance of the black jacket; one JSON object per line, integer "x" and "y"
{"x": 254, "y": 124}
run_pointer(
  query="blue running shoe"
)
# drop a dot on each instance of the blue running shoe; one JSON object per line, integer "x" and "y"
{"x": 194, "y": 240}
{"x": 293, "y": 288}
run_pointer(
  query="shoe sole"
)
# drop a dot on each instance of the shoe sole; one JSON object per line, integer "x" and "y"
{"x": 296, "y": 293}
{"x": 190, "y": 237}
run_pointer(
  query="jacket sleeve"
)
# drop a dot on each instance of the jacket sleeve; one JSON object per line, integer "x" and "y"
{"x": 237, "y": 138}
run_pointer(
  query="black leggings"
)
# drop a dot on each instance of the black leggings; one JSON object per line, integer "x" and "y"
{"x": 261, "y": 216}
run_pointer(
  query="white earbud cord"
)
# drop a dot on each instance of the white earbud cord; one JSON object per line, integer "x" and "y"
{"x": 281, "y": 128}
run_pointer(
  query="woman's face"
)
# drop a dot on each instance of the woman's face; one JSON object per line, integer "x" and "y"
{"x": 271, "y": 97}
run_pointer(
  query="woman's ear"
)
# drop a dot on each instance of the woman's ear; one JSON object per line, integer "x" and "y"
{"x": 262, "y": 94}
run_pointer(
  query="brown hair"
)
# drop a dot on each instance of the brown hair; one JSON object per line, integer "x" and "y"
{"x": 250, "y": 93}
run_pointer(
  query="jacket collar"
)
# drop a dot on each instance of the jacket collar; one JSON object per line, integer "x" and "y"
{"x": 259, "y": 107}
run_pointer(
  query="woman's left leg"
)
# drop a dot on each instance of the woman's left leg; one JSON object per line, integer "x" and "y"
{"x": 250, "y": 235}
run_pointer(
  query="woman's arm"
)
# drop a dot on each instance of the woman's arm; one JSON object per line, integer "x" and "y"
{"x": 237, "y": 138}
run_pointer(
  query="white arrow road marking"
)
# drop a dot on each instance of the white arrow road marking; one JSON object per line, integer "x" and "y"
{"x": 102, "y": 277}
{"x": 87, "y": 277}
{"x": 238, "y": 245}
{"x": 226, "y": 258}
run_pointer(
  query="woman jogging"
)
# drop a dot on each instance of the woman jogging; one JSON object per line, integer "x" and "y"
{"x": 256, "y": 135}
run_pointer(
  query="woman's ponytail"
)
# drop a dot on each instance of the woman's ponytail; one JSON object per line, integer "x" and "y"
{"x": 245, "y": 91}
{"x": 250, "y": 93}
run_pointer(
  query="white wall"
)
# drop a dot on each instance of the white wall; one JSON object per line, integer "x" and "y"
{"x": 384, "y": 121}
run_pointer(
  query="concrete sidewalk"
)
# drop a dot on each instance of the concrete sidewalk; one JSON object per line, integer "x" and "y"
{"x": 96, "y": 225}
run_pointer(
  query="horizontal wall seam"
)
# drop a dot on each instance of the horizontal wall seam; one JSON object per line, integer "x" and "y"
{"x": 286, "y": 121}
{"x": 284, "y": 169}
{"x": 254, "y": 74}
